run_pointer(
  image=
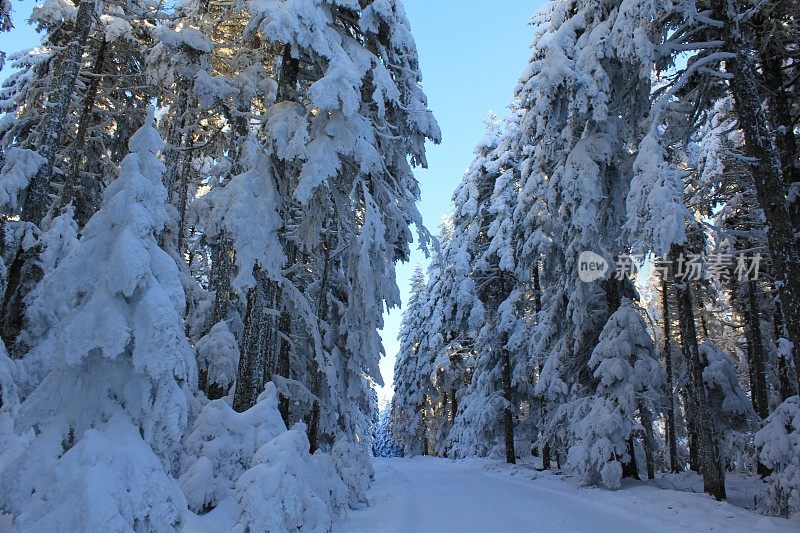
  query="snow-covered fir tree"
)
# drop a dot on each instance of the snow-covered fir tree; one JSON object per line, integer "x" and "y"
{"x": 385, "y": 445}
{"x": 628, "y": 397}
{"x": 779, "y": 445}
{"x": 483, "y": 230}
{"x": 111, "y": 406}
{"x": 617, "y": 145}
{"x": 407, "y": 425}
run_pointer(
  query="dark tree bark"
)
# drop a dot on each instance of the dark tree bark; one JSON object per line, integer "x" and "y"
{"x": 284, "y": 363}
{"x": 313, "y": 428}
{"x": 508, "y": 413}
{"x": 546, "y": 456}
{"x": 258, "y": 342}
{"x": 786, "y": 383}
{"x": 780, "y": 116}
{"x": 262, "y": 335}
{"x": 422, "y": 429}
{"x": 629, "y": 467}
{"x": 649, "y": 442}
{"x": 37, "y": 200}
{"x": 69, "y": 193}
{"x": 758, "y": 379}
{"x": 707, "y": 447}
{"x": 671, "y": 439}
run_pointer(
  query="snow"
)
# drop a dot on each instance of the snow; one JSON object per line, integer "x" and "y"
{"x": 247, "y": 210}
{"x": 289, "y": 490}
{"x": 354, "y": 465}
{"x": 19, "y": 167}
{"x": 188, "y": 37}
{"x": 248, "y": 472}
{"x": 116, "y": 481}
{"x": 52, "y": 11}
{"x": 223, "y": 444}
{"x": 779, "y": 441}
{"x": 429, "y": 494}
{"x": 218, "y": 355}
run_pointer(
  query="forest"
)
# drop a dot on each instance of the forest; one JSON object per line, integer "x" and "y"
{"x": 203, "y": 204}
{"x": 659, "y": 140}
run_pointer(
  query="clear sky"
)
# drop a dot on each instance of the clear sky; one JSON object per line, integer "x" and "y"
{"x": 471, "y": 54}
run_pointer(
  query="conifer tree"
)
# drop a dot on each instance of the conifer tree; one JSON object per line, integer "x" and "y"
{"x": 117, "y": 400}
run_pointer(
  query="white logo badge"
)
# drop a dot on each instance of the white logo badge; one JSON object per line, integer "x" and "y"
{"x": 591, "y": 266}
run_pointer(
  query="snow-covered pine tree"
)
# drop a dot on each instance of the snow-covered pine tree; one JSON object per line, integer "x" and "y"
{"x": 659, "y": 221}
{"x": 112, "y": 405}
{"x": 453, "y": 311}
{"x": 299, "y": 189}
{"x": 628, "y": 398}
{"x": 385, "y": 445}
{"x": 355, "y": 189}
{"x": 760, "y": 144}
{"x": 585, "y": 90}
{"x": 408, "y": 425}
{"x": 483, "y": 215}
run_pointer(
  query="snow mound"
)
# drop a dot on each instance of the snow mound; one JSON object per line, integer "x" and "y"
{"x": 222, "y": 446}
{"x": 288, "y": 489}
{"x": 354, "y": 465}
{"x": 113, "y": 477}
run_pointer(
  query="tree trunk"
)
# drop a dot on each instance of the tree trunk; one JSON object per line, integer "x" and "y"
{"x": 546, "y": 456}
{"x": 786, "y": 381}
{"x": 756, "y": 354}
{"x": 508, "y": 413}
{"x": 422, "y": 430}
{"x": 23, "y": 273}
{"x": 781, "y": 118}
{"x": 73, "y": 179}
{"x": 629, "y": 468}
{"x": 649, "y": 442}
{"x": 37, "y": 200}
{"x": 258, "y": 342}
{"x": 313, "y": 428}
{"x": 707, "y": 447}
{"x": 671, "y": 439}
{"x": 243, "y": 395}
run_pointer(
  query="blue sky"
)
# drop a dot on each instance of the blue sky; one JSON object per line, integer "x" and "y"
{"x": 471, "y": 54}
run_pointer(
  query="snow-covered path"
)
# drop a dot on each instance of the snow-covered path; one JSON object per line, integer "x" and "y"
{"x": 436, "y": 495}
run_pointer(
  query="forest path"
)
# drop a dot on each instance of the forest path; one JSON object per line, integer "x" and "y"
{"x": 433, "y": 495}
{"x": 426, "y": 494}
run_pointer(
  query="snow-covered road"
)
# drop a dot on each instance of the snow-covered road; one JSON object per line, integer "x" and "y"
{"x": 435, "y": 495}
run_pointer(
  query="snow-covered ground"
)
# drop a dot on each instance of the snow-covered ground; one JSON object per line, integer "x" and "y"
{"x": 426, "y": 494}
